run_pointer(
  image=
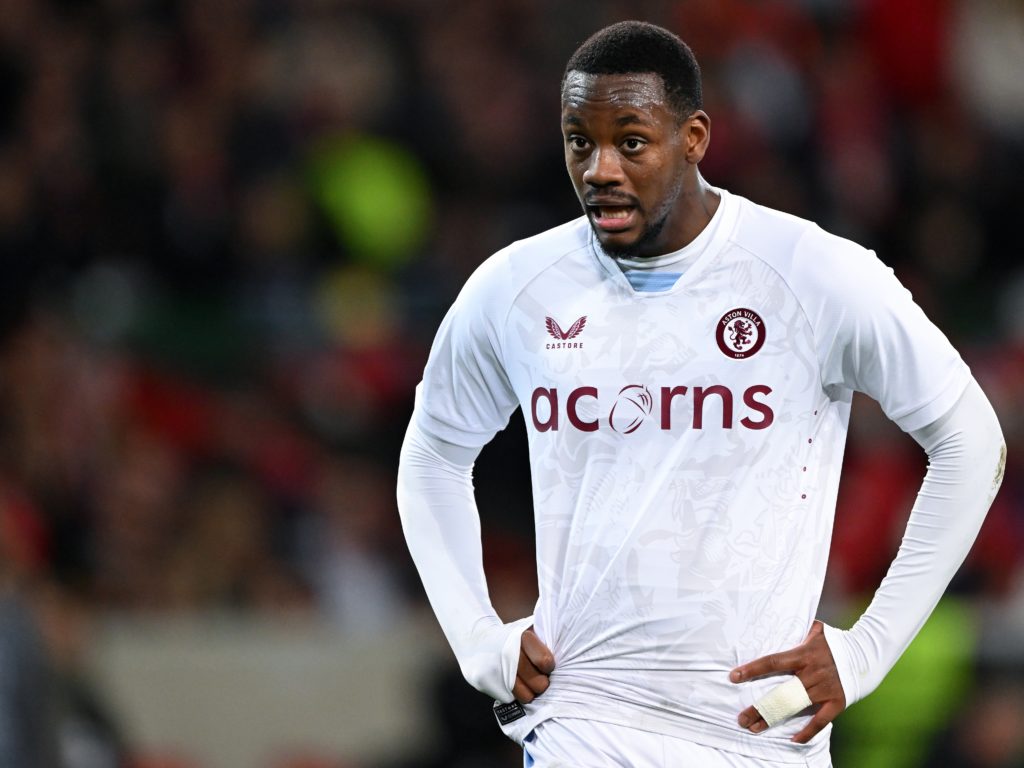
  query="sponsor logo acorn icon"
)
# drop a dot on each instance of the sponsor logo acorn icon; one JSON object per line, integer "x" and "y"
{"x": 632, "y": 405}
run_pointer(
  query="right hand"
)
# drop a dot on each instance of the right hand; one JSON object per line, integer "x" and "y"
{"x": 813, "y": 664}
{"x": 536, "y": 663}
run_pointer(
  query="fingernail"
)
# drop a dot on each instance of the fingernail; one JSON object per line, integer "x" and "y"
{"x": 736, "y": 675}
{"x": 744, "y": 721}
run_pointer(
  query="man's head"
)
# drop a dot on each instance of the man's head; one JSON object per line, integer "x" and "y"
{"x": 635, "y": 47}
{"x": 634, "y": 133}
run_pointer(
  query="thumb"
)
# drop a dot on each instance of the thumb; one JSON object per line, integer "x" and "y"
{"x": 537, "y": 652}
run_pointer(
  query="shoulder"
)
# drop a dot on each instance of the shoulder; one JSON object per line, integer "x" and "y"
{"x": 816, "y": 264}
{"x": 504, "y": 275}
{"x": 787, "y": 241}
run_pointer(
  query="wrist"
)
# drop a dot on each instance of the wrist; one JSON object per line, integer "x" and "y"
{"x": 489, "y": 658}
{"x": 843, "y": 654}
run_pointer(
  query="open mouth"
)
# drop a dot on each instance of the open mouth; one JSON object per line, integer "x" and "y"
{"x": 612, "y": 218}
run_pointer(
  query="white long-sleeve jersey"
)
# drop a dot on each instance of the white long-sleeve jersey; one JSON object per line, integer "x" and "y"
{"x": 685, "y": 451}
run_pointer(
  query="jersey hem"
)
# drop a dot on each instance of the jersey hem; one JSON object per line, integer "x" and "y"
{"x": 704, "y": 733}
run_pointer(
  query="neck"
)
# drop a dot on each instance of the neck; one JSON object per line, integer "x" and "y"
{"x": 696, "y": 208}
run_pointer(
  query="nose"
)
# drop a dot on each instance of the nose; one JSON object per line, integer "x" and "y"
{"x": 604, "y": 169}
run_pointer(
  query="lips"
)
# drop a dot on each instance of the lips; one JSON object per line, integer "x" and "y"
{"x": 613, "y": 218}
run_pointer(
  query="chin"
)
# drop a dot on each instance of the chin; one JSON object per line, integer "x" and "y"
{"x": 619, "y": 248}
{"x": 638, "y": 247}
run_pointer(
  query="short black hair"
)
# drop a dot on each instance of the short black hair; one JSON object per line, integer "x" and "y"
{"x": 639, "y": 47}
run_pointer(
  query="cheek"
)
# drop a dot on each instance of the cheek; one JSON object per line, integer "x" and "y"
{"x": 575, "y": 172}
{"x": 656, "y": 185}
{"x": 670, "y": 179}
{"x": 663, "y": 194}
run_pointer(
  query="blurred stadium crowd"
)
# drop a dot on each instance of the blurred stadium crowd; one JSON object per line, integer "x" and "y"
{"x": 229, "y": 229}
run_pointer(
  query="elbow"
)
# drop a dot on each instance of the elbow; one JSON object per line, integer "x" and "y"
{"x": 997, "y": 479}
{"x": 997, "y": 448}
{"x": 989, "y": 441}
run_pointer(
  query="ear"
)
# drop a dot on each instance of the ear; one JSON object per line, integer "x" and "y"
{"x": 696, "y": 130}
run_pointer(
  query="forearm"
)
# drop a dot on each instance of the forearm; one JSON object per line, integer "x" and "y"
{"x": 965, "y": 459}
{"x": 442, "y": 530}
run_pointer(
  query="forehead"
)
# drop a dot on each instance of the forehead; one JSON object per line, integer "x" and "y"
{"x": 642, "y": 92}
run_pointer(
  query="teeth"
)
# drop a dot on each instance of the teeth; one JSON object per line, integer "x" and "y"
{"x": 614, "y": 213}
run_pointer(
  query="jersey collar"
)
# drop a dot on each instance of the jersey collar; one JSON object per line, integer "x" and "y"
{"x": 690, "y": 258}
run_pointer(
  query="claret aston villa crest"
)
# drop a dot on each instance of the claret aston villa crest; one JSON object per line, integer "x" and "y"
{"x": 563, "y": 339}
{"x": 740, "y": 333}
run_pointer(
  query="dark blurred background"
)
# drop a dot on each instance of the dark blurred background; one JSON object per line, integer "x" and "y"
{"x": 228, "y": 231}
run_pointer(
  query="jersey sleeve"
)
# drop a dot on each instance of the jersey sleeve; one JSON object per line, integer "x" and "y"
{"x": 466, "y": 396}
{"x": 966, "y": 459}
{"x": 872, "y": 337}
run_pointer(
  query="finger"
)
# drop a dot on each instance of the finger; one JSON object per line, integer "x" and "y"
{"x": 535, "y": 680}
{"x": 749, "y": 717}
{"x": 828, "y": 712}
{"x": 526, "y": 668}
{"x": 522, "y": 692}
{"x": 783, "y": 701}
{"x": 538, "y": 653}
{"x": 826, "y": 690}
{"x": 772, "y": 664}
{"x": 814, "y": 678}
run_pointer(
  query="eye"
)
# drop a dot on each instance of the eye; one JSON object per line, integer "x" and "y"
{"x": 577, "y": 143}
{"x": 633, "y": 144}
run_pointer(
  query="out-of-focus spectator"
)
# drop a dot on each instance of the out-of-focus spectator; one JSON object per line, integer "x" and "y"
{"x": 347, "y": 547}
{"x": 224, "y": 559}
{"x": 28, "y": 722}
{"x": 50, "y": 713}
{"x": 87, "y": 731}
{"x": 28, "y": 705}
{"x": 988, "y": 56}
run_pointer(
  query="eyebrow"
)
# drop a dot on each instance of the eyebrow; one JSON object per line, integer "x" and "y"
{"x": 627, "y": 119}
{"x": 631, "y": 118}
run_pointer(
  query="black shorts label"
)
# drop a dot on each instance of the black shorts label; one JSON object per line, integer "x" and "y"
{"x": 508, "y": 713}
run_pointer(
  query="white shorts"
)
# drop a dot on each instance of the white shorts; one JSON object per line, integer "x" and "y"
{"x": 573, "y": 743}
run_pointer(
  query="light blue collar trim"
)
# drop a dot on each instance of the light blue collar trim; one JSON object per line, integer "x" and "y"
{"x": 651, "y": 282}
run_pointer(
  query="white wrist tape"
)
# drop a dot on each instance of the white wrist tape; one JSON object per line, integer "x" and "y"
{"x": 783, "y": 701}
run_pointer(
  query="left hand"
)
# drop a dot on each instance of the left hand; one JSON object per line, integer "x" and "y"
{"x": 812, "y": 662}
{"x": 536, "y": 663}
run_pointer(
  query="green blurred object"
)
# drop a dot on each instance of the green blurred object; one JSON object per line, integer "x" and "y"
{"x": 894, "y": 726}
{"x": 376, "y": 196}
